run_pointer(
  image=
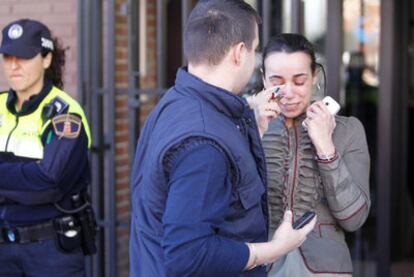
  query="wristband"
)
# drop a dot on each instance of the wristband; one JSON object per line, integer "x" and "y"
{"x": 253, "y": 253}
{"x": 326, "y": 158}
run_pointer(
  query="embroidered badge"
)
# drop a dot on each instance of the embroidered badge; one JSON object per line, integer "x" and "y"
{"x": 67, "y": 125}
{"x": 15, "y": 31}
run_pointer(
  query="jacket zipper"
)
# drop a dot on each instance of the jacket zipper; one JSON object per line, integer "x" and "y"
{"x": 10, "y": 134}
{"x": 295, "y": 168}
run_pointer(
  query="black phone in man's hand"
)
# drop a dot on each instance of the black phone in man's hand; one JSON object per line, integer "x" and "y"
{"x": 303, "y": 220}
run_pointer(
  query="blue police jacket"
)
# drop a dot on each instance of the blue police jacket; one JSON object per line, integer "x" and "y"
{"x": 195, "y": 109}
{"x": 37, "y": 166}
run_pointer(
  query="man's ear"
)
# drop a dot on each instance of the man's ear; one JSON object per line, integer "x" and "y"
{"x": 238, "y": 51}
{"x": 47, "y": 61}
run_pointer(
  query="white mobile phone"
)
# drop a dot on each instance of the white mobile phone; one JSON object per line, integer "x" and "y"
{"x": 331, "y": 104}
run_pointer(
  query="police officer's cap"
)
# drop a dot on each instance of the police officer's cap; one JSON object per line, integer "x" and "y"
{"x": 25, "y": 38}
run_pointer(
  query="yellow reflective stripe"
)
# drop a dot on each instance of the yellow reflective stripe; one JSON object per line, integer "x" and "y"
{"x": 3, "y": 140}
{"x": 23, "y": 139}
{"x": 25, "y": 148}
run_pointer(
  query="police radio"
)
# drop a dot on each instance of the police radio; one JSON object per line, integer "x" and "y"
{"x": 55, "y": 107}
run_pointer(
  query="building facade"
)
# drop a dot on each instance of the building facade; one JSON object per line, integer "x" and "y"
{"x": 123, "y": 55}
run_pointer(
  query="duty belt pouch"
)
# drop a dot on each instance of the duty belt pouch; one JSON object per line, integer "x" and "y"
{"x": 87, "y": 223}
{"x": 68, "y": 238}
{"x": 88, "y": 228}
{"x": 78, "y": 228}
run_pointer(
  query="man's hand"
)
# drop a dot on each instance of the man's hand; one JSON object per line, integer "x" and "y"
{"x": 284, "y": 240}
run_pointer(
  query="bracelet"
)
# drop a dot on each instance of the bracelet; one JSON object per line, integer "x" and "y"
{"x": 253, "y": 253}
{"x": 326, "y": 158}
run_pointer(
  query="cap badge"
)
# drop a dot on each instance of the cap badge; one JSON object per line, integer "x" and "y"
{"x": 47, "y": 43}
{"x": 15, "y": 31}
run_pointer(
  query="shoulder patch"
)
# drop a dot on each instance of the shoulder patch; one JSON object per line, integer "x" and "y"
{"x": 67, "y": 125}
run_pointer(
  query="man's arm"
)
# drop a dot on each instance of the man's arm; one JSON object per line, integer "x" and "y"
{"x": 198, "y": 200}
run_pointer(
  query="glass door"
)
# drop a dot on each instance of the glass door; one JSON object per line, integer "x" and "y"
{"x": 402, "y": 232}
{"x": 359, "y": 96}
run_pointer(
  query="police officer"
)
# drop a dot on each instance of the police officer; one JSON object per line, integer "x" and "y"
{"x": 44, "y": 169}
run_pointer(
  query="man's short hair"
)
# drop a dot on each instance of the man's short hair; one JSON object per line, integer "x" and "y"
{"x": 216, "y": 25}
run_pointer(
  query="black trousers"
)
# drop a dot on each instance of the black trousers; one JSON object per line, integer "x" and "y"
{"x": 38, "y": 259}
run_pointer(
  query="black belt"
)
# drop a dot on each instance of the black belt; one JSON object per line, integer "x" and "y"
{"x": 27, "y": 234}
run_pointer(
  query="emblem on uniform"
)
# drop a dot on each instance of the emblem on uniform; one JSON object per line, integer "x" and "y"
{"x": 67, "y": 125}
{"x": 15, "y": 31}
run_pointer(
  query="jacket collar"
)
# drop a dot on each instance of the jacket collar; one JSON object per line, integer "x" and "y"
{"x": 298, "y": 120}
{"x": 222, "y": 100}
{"x": 29, "y": 105}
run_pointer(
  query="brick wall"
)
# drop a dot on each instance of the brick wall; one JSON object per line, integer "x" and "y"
{"x": 121, "y": 137}
{"x": 150, "y": 79}
{"x": 123, "y": 156}
{"x": 60, "y": 16}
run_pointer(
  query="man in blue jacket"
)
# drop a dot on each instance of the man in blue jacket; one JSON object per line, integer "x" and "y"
{"x": 199, "y": 177}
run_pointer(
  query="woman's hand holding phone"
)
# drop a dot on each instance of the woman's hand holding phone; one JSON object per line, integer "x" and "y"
{"x": 320, "y": 124}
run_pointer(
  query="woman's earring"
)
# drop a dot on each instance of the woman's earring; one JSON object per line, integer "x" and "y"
{"x": 318, "y": 86}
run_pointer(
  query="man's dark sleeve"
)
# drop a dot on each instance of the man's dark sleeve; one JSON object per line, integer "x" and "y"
{"x": 198, "y": 200}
